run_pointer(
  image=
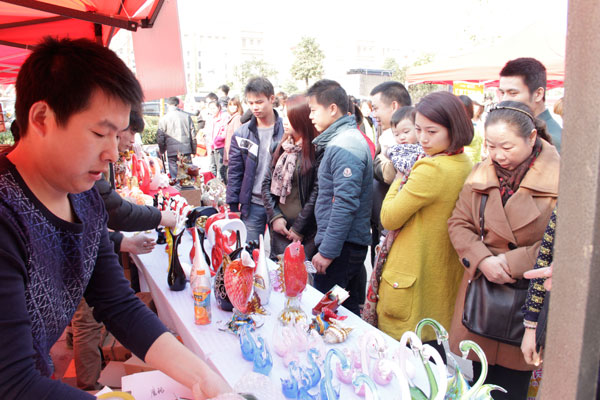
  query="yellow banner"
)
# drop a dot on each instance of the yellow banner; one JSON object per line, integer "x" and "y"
{"x": 470, "y": 89}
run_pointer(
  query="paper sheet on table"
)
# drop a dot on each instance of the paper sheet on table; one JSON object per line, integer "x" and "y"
{"x": 104, "y": 390}
{"x": 154, "y": 385}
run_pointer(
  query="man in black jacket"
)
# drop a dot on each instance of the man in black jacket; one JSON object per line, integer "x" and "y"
{"x": 176, "y": 134}
{"x": 122, "y": 216}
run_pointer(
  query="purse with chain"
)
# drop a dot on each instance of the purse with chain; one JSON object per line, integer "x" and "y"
{"x": 492, "y": 310}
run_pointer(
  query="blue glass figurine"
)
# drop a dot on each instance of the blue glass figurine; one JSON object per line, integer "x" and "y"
{"x": 263, "y": 362}
{"x": 328, "y": 392}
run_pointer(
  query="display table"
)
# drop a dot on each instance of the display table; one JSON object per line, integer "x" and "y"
{"x": 221, "y": 349}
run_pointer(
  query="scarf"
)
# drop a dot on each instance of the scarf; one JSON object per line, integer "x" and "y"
{"x": 511, "y": 180}
{"x": 281, "y": 182}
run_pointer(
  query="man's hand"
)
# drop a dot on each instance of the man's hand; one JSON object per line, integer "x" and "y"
{"x": 294, "y": 237}
{"x": 545, "y": 272}
{"x": 528, "y": 348}
{"x": 138, "y": 244}
{"x": 321, "y": 263}
{"x": 280, "y": 226}
{"x": 495, "y": 269}
{"x": 168, "y": 219}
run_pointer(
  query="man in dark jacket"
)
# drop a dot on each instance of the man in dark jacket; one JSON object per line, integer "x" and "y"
{"x": 249, "y": 156}
{"x": 387, "y": 97}
{"x": 343, "y": 205}
{"x": 176, "y": 134}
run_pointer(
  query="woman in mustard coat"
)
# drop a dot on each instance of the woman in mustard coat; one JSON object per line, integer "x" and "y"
{"x": 520, "y": 177}
{"x": 422, "y": 273}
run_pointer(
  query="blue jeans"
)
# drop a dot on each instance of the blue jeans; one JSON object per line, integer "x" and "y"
{"x": 255, "y": 222}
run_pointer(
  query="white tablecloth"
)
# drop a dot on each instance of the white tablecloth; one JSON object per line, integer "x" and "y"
{"x": 221, "y": 349}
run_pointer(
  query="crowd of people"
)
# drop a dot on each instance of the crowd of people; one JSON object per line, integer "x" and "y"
{"x": 339, "y": 175}
{"x": 446, "y": 199}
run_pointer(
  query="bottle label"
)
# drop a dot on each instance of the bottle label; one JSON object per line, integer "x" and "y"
{"x": 202, "y": 312}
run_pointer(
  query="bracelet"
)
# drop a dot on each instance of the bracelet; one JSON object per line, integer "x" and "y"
{"x": 529, "y": 324}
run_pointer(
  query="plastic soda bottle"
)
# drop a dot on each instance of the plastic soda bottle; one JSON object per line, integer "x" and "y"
{"x": 201, "y": 292}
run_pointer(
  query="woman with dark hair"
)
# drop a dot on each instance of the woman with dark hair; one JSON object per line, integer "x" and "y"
{"x": 497, "y": 227}
{"x": 422, "y": 273}
{"x": 289, "y": 190}
{"x": 473, "y": 150}
{"x": 235, "y": 110}
{"x": 353, "y": 109}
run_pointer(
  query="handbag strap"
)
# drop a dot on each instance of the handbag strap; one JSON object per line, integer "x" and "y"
{"x": 484, "y": 198}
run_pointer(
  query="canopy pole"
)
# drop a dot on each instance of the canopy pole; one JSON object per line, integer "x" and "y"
{"x": 572, "y": 345}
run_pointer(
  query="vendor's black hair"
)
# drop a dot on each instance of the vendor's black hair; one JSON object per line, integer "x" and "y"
{"x": 136, "y": 121}
{"x": 65, "y": 73}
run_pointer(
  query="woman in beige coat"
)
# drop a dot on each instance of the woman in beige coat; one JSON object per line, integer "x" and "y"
{"x": 520, "y": 177}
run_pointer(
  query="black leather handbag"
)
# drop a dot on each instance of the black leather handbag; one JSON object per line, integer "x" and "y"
{"x": 495, "y": 311}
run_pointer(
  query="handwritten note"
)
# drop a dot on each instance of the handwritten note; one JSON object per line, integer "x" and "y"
{"x": 154, "y": 385}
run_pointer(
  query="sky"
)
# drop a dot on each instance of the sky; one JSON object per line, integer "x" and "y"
{"x": 440, "y": 27}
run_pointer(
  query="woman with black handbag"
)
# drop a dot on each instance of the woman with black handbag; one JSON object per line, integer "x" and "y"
{"x": 496, "y": 229}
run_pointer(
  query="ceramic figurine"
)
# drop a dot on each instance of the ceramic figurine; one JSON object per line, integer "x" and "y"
{"x": 219, "y": 249}
{"x": 315, "y": 341}
{"x": 247, "y": 344}
{"x": 175, "y": 277}
{"x": 440, "y": 332}
{"x": 223, "y": 231}
{"x": 239, "y": 284}
{"x": 282, "y": 339}
{"x": 478, "y": 390}
{"x": 394, "y": 369}
{"x": 195, "y": 222}
{"x": 262, "y": 280}
{"x": 161, "y": 238}
{"x": 360, "y": 381}
{"x": 220, "y": 292}
{"x": 374, "y": 346}
{"x": 314, "y": 372}
{"x": 295, "y": 278}
{"x": 336, "y": 333}
{"x": 289, "y": 387}
{"x": 440, "y": 380}
{"x": 407, "y": 368}
{"x": 345, "y": 375}
{"x": 263, "y": 362}
{"x": 457, "y": 385}
{"x": 328, "y": 391}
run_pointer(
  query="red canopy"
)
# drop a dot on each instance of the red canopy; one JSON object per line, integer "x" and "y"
{"x": 23, "y": 23}
{"x": 542, "y": 41}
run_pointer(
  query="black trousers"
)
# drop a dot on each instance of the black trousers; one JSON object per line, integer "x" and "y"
{"x": 347, "y": 271}
{"x": 515, "y": 382}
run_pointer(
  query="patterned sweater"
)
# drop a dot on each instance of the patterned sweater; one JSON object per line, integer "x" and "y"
{"x": 536, "y": 292}
{"x": 46, "y": 266}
